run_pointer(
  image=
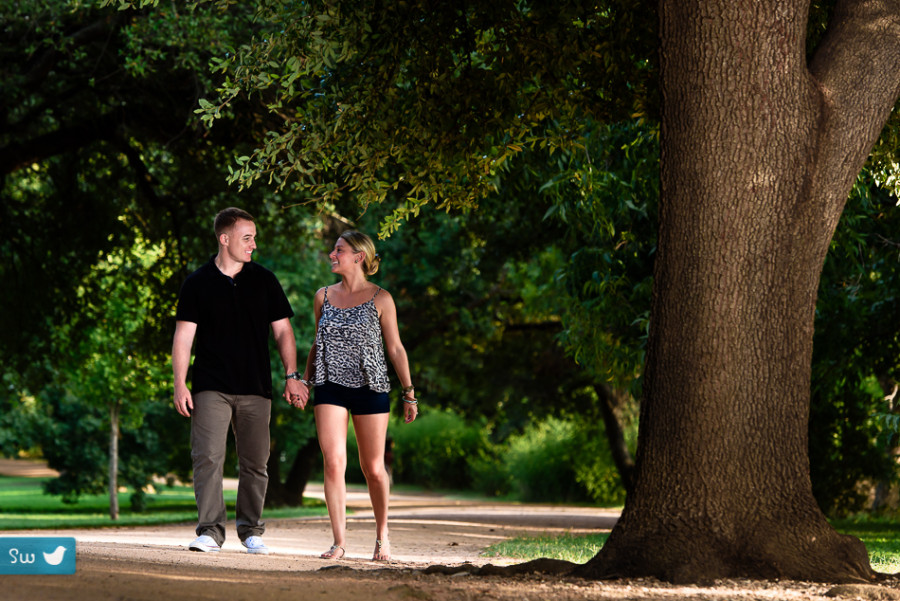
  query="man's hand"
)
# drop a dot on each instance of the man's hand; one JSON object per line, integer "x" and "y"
{"x": 296, "y": 393}
{"x": 184, "y": 404}
{"x": 181, "y": 360}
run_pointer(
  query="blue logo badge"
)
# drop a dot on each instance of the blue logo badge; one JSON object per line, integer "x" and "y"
{"x": 37, "y": 555}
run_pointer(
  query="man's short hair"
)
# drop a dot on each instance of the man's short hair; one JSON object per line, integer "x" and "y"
{"x": 226, "y": 219}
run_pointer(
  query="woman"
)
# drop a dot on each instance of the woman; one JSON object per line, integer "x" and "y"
{"x": 347, "y": 368}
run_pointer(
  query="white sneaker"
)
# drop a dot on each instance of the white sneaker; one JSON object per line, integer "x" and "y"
{"x": 205, "y": 544}
{"x": 256, "y": 545}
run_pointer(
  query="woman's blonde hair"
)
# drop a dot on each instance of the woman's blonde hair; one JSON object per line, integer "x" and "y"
{"x": 360, "y": 243}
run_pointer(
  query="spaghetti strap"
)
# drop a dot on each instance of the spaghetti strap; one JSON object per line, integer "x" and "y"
{"x": 374, "y": 295}
{"x": 326, "y": 294}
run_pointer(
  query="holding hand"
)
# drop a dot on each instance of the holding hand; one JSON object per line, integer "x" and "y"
{"x": 296, "y": 390}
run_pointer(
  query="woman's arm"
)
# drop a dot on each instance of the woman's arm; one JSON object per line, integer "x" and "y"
{"x": 391, "y": 333}
{"x": 396, "y": 352}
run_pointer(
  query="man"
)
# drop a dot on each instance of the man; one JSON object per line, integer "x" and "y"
{"x": 229, "y": 304}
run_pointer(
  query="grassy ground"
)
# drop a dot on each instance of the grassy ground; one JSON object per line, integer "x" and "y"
{"x": 881, "y": 537}
{"x": 23, "y": 506}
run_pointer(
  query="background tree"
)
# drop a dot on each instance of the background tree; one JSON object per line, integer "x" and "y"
{"x": 111, "y": 378}
{"x": 99, "y": 150}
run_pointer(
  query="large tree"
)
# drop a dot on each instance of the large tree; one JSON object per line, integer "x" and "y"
{"x": 760, "y": 149}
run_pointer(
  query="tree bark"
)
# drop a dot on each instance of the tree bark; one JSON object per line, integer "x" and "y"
{"x": 759, "y": 152}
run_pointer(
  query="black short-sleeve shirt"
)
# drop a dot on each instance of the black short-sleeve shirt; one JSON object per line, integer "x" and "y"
{"x": 233, "y": 316}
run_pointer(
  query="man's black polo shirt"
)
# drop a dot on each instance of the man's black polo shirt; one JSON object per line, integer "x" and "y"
{"x": 233, "y": 316}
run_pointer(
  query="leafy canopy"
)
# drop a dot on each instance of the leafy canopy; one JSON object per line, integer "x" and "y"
{"x": 419, "y": 103}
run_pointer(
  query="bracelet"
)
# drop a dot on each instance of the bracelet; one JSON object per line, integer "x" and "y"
{"x": 412, "y": 402}
{"x": 294, "y": 376}
{"x": 408, "y": 389}
{"x": 307, "y": 383}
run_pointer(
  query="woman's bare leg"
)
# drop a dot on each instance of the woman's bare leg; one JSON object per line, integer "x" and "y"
{"x": 371, "y": 432}
{"x": 331, "y": 426}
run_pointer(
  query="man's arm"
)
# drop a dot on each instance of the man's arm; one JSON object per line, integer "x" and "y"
{"x": 181, "y": 360}
{"x": 295, "y": 392}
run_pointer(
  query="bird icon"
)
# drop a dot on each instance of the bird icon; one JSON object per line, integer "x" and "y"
{"x": 55, "y": 558}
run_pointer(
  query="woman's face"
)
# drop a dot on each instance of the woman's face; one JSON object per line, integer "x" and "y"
{"x": 343, "y": 257}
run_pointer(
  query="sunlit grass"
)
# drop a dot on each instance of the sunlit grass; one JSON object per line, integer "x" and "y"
{"x": 577, "y": 548}
{"x": 881, "y": 537}
{"x": 23, "y": 506}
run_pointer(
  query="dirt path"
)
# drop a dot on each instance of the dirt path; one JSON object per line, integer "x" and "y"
{"x": 152, "y": 563}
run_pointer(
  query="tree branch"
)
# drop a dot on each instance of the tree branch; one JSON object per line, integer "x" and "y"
{"x": 16, "y": 155}
{"x": 856, "y": 68}
{"x": 615, "y": 436}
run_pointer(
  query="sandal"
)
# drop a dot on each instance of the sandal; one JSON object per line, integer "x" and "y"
{"x": 380, "y": 554}
{"x": 332, "y": 553}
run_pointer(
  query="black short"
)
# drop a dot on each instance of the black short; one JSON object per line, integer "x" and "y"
{"x": 358, "y": 401}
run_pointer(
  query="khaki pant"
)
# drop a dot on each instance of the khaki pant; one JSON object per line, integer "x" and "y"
{"x": 248, "y": 417}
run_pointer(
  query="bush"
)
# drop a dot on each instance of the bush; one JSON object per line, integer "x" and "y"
{"x": 556, "y": 460}
{"x": 559, "y": 460}
{"x": 437, "y": 449}
{"x": 596, "y": 471}
{"x": 489, "y": 475}
{"x": 541, "y": 462}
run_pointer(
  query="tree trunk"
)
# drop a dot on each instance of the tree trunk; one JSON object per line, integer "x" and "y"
{"x": 114, "y": 461}
{"x": 290, "y": 492}
{"x": 759, "y": 152}
{"x": 615, "y": 436}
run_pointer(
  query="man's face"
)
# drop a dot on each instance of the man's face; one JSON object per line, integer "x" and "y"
{"x": 241, "y": 241}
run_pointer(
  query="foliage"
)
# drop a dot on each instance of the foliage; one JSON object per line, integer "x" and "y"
{"x": 541, "y": 462}
{"x": 437, "y": 450}
{"x": 555, "y": 460}
{"x": 524, "y": 110}
{"x": 606, "y": 195}
{"x": 562, "y": 460}
{"x": 422, "y": 103}
{"x": 100, "y": 157}
{"x": 107, "y": 365}
{"x": 96, "y": 141}
{"x": 856, "y": 359}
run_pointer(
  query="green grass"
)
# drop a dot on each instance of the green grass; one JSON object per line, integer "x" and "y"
{"x": 881, "y": 537}
{"x": 577, "y": 548}
{"x": 23, "y": 506}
